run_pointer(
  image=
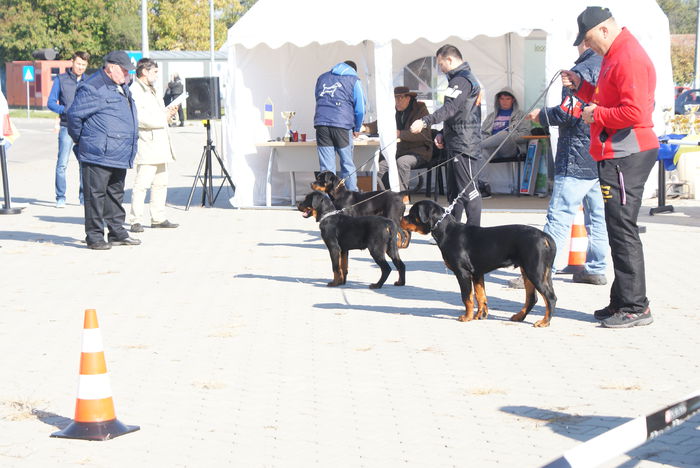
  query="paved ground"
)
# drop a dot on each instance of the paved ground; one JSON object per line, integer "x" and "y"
{"x": 224, "y": 344}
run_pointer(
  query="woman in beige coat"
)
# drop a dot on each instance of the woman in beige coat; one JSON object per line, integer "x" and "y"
{"x": 154, "y": 149}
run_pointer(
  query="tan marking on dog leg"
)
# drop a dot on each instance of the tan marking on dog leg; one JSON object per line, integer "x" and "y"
{"x": 344, "y": 266}
{"x": 530, "y": 299}
{"x": 469, "y": 309}
{"x": 481, "y": 299}
{"x": 547, "y": 314}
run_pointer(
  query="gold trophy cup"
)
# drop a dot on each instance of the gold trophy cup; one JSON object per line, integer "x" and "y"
{"x": 287, "y": 115}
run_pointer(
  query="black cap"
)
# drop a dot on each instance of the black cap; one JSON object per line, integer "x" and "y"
{"x": 120, "y": 58}
{"x": 589, "y": 19}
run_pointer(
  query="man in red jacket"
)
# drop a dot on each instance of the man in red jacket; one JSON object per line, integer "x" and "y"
{"x": 625, "y": 145}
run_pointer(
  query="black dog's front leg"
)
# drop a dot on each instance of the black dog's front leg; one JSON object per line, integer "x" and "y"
{"x": 336, "y": 262}
{"x": 464, "y": 278}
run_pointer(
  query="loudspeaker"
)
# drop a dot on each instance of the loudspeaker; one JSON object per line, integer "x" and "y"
{"x": 203, "y": 100}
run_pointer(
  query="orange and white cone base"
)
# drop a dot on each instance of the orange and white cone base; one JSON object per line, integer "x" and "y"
{"x": 95, "y": 418}
{"x": 579, "y": 243}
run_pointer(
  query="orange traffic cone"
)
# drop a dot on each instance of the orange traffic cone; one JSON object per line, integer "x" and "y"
{"x": 94, "y": 409}
{"x": 579, "y": 244}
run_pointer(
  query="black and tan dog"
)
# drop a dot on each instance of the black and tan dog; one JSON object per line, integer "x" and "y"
{"x": 471, "y": 252}
{"x": 342, "y": 233}
{"x": 381, "y": 202}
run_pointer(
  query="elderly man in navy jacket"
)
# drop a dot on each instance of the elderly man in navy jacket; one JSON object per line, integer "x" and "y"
{"x": 104, "y": 126}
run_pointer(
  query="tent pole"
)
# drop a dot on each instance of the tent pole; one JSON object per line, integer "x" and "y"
{"x": 509, "y": 60}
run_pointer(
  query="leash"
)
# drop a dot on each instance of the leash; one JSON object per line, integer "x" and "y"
{"x": 475, "y": 177}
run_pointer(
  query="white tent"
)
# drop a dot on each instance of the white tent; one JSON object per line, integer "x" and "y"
{"x": 278, "y": 49}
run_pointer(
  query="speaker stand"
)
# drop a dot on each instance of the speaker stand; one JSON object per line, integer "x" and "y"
{"x": 208, "y": 197}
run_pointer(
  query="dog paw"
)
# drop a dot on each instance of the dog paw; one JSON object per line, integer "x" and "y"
{"x": 375, "y": 286}
{"x": 333, "y": 284}
{"x": 465, "y": 318}
{"x": 399, "y": 283}
{"x": 541, "y": 324}
{"x": 519, "y": 317}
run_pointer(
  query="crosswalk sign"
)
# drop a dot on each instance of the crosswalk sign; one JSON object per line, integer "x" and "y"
{"x": 28, "y": 73}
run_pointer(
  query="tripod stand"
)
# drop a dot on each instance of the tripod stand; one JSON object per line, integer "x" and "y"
{"x": 207, "y": 189}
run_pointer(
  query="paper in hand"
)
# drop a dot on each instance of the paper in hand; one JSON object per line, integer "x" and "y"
{"x": 178, "y": 100}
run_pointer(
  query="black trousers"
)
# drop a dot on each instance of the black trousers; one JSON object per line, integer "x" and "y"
{"x": 622, "y": 182}
{"x": 103, "y": 189}
{"x": 459, "y": 175}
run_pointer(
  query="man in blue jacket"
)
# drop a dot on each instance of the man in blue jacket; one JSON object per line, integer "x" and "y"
{"x": 60, "y": 99}
{"x": 575, "y": 179}
{"x": 340, "y": 109}
{"x": 104, "y": 126}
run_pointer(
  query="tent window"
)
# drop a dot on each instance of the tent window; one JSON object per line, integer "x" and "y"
{"x": 422, "y": 76}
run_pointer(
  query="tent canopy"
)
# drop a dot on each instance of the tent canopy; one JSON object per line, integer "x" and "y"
{"x": 278, "y": 49}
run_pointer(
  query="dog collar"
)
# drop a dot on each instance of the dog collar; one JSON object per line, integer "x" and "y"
{"x": 329, "y": 214}
{"x": 447, "y": 212}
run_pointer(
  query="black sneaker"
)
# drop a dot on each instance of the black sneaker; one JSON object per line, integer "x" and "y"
{"x": 585, "y": 277}
{"x": 165, "y": 224}
{"x": 604, "y": 313}
{"x": 100, "y": 245}
{"x": 126, "y": 241}
{"x": 628, "y": 319}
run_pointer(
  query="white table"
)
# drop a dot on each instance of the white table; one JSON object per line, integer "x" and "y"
{"x": 302, "y": 156}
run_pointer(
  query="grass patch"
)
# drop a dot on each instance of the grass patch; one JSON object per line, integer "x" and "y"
{"x": 33, "y": 113}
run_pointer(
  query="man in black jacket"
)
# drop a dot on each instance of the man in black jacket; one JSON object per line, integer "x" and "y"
{"x": 461, "y": 132}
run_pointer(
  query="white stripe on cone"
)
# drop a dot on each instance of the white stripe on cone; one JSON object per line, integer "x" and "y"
{"x": 94, "y": 387}
{"x": 92, "y": 340}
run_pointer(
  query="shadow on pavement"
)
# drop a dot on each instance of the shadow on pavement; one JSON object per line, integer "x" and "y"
{"x": 52, "y": 419}
{"x": 586, "y": 427}
{"x": 41, "y": 237}
{"x": 62, "y": 219}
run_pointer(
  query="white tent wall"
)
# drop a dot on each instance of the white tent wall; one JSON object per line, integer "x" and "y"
{"x": 268, "y": 58}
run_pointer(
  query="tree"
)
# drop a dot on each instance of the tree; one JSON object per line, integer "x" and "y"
{"x": 682, "y": 17}
{"x": 168, "y": 31}
{"x": 94, "y": 26}
{"x": 98, "y": 26}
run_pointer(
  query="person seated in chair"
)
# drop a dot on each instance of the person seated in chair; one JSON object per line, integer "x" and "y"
{"x": 413, "y": 149}
{"x": 506, "y": 122}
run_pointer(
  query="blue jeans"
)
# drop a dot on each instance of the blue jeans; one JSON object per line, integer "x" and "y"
{"x": 65, "y": 145}
{"x": 326, "y": 160}
{"x": 568, "y": 194}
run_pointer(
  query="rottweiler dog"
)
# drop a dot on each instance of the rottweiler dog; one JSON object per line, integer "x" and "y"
{"x": 342, "y": 233}
{"x": 381, "y": 202}
{"x": 471, "y": 252}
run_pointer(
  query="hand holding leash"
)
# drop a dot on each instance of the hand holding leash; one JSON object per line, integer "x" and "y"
{"x": 570, "y": 79}
{"x": 588, "y": 115}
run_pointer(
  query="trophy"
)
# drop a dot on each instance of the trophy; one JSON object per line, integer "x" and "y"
{"x": 669, "y": 126}
{"x": 287, "y": 115}
{"x": 691, "y": 109}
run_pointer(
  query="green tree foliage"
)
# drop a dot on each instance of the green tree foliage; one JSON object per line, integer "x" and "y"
{"x": 98, "y": 26}
{"x": 184, "y": 24}
{"x": 681, "y": 15}
{"x": 682, "y": 19}
{"x": 95, "y": 26}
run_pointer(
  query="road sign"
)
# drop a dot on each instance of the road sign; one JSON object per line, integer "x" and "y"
{"x": 28, "y": 73}
{"x": 134, "y": 57}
